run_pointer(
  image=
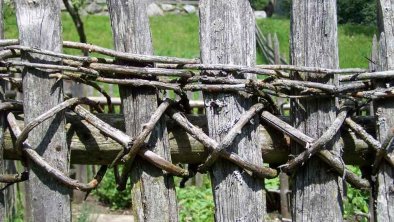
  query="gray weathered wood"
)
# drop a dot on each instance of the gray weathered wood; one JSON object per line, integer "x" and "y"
{"x": 316, "y": 193}
{"x": 39, "y": 25}
{"x": 227, "y": 36}
{"x": 153, "y": 192}
{"x": 3, "y": 195}
{"x": 384, "y": 110}
{"x": 7, "y": 197}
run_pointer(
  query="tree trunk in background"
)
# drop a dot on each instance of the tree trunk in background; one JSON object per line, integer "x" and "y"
{"x": 39, "y": 25}
{"x": 153, "y": 192}
{"x": 227, "y": 36}
{"x": 316, "y": 192}
{"x": 384, "y": 110}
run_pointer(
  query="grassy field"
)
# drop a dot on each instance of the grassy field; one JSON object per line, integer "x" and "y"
{"x": 175, "y": 35}
{"x": 354, "y": 40}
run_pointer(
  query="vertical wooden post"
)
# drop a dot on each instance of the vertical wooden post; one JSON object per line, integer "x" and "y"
{"x": 372, "y": 66}
{"x": 384, "y": 110}
{"x": 39, "y": 26}
{"x": 316, "y": 192}
{"x": 227, "y": 36}
{"x": 153, "y": 193}
{"x": 7, "y": 197}
{"x": 3, "y": 203}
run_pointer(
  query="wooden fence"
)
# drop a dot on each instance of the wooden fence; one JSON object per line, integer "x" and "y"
{"x": 240, "y": 139}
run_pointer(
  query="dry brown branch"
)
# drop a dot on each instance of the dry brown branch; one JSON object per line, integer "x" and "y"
{"x": 335, "y": 162}
{"x": 8, "y": 42}
{"x": 89, "y": 83}
{"x": 360, "y": 131}
{"x": 113, "y": 53}
{"x": 55, "y": 68}
{"x": 40, "y": 162}
{"x": 51, "y": 53}
{"x": 376, "y": 93}
{"x": 127, "y": 142}
{"x": 130, "y": 82}
{"x": 382, "y": 152}
{"x": 139, "y": 71}
{"x": 318, "y": 144}
{"x": 128, "y": 56}
{"x": 367, "y": 76}
{"x": 139, "y": 141}
{"x": 312, "y": 69}
{"x": 14, "y": 178}
{"x": 231, "y": 135}
{"x": 105, "y": 128}
{"x": 210, "y": 144}
{"x": 50, "y": 113}
{"x": 11, "y": 105}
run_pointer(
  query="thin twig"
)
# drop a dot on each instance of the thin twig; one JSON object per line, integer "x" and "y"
{"x": 128, "y": 56}
{"x": 89, "y": 83}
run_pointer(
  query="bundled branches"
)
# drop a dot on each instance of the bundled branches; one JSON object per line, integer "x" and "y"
{"x": 213, "y": 77}
{"x": 181, "y": 75}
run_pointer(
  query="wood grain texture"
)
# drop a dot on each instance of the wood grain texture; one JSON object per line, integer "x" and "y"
{"x": 8, "y": 206}
{"x": 316, "y": 192}
{"x": 153, "y": 192}
{"x": 384, "y": 111}
{"x": 39, "y": 26}
{"x": 227, "y": 36}
{"x": 3, "y": 201}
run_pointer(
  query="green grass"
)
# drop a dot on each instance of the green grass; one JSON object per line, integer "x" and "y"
{"x": 354, "y": 40}
{"x": 177, "y": 35}
{"x": 173, "y": 35}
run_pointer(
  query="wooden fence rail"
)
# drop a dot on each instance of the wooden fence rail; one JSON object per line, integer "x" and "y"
{"x": 240, "y": 129}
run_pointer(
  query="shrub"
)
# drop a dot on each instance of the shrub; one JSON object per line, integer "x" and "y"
{"x": 258, "y": 4}
{"x": 349, "y": 11}
{"x": 357, "y": 11}
{"x": 107, "y": 193}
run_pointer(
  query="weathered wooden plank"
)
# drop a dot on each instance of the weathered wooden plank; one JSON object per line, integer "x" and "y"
{"x": 227, "y": 36}
{"x": 153, "y": 192}
{"x": 316, "y": 193}
{"x": 39, "y": 26}
{"x": 384, "y": 110}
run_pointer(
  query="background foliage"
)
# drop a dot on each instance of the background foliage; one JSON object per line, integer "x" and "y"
{"x": 357, "y": 12}
{"x": 349, "y": 11}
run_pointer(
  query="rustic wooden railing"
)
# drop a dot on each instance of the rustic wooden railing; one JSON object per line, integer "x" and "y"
{"x": 240, "y": 129}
